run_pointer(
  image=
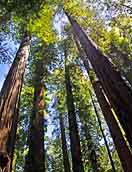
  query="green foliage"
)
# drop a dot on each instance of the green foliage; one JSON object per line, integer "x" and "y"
{"x": 42, "y": 24}
{"x": 103, "y": 158}
{"x": 80, "y": 12}
{"x": 54, "y": 154}
{"x": 111, "y": 33}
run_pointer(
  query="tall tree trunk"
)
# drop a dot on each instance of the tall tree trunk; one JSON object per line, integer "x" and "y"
{"x": 86, "y": 64}
{"x": 114, "y": 86}
{"x": 66, "y": 162}
{"x": 73, "y": 128}
{"x": 9, "y": 100}
{"x": 119, "y": 141}
{"x": 104, "y": 137}
{"x": 35, "y": 160}
{"x": 108, "y": 114}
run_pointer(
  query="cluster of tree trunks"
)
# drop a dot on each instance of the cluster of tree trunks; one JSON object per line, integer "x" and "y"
{"x": 116, "y": 89}
{"x": 119, "y": 141}
{"x": 87, "y": 66}
{"x": 9, "y": 103}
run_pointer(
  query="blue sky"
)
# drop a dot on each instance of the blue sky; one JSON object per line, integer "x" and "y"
{"x": 11, "y": 47}
{"x": 4, "y": 68}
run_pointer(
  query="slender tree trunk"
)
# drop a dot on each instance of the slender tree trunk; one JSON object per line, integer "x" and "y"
{"x": 66, "y": 162}
{"x": 104, "y": 137}
{"x": 9, "y": 100}
{"x": 117, "y": 91}
{"x": 73, "y": 128}
{"x": 119, "y": 141}
{"x": 35, "y": 160}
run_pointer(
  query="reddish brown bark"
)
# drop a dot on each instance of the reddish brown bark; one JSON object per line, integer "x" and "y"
{"x": 35, "y": 160}
{"x": 9, "y": 100}
{"x": 86, "y": 64}
{"x": 119, "y": 141}
{"x": 117, "y": 91}
{"x": 66, "y": 162}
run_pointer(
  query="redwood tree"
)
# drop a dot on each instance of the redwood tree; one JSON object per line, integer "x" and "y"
{"x": 9, "y": 101}
{"x": 119, "y": 141}
{"x": 110, "y": 119}
{"x": 117, "y": 91}
{"x": 35, "y": 160}
{"x": 86, "y": 64}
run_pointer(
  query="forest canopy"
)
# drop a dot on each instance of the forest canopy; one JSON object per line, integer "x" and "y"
{"x": 66, "y": 86}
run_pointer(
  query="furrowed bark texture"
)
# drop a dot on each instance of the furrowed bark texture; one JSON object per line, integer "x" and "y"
{"x": 9, "y": 100}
